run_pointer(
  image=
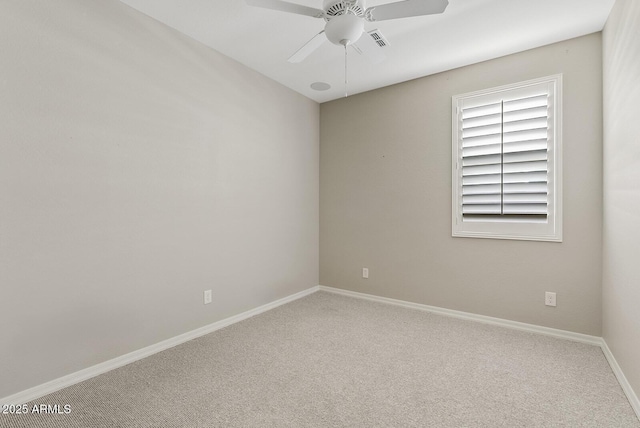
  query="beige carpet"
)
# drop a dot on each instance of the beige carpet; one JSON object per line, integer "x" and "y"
{"x": 333, "y": 361}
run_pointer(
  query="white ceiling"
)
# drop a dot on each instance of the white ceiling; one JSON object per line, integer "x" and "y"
{"x": 469, "y": 31}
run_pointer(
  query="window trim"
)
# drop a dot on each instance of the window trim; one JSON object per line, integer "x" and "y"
{"x": 551, "y": 230}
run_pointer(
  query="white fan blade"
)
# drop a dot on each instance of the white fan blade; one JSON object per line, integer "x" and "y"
{"x": 405, "y": 9}
{"x": 285, "y": 6}
{"x": 309, "y": 47}
{"x": 368, "y": 47}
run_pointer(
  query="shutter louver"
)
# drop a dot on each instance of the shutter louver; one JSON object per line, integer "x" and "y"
{"x": 505, "y": 159}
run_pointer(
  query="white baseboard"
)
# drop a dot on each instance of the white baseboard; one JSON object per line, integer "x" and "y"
{"x": 65, "y": 381}
{"x": 622, "y": 379}
{"x": 532, "y": 328}
{"x": 79, "y": 376}
{"x": 562, "y": 334}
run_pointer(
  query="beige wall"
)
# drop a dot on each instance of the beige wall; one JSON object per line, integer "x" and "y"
{"x": 621, "y": 230}
{"x": 385, "y": 197}
{"x": 137, "y": 169}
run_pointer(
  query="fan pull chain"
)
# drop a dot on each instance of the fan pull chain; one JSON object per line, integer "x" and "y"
{"x": 345, "y": 70}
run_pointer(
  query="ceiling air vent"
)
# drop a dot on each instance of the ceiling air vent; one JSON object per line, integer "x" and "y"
{"x": 377, "y": 37}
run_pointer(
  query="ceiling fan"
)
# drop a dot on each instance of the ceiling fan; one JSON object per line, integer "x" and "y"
{"x": 345, "y": 20}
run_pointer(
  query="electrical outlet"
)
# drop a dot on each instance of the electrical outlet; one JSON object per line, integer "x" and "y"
{"x": 550, "y": 298}
{"x": 207, "y": 297}
{"x": 365, "y": 272}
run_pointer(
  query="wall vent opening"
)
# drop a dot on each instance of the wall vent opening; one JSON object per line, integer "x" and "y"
{"x": 377, "y": 37}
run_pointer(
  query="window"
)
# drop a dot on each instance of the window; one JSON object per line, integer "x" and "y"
{"x": 507, "y": 178}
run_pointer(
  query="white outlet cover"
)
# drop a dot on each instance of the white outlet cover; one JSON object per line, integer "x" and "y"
{"x": 550, "y": 298}
{"x": 207, "y": 297}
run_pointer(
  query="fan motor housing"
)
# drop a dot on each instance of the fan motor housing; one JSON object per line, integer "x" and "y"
{"x": 335, "y": 8}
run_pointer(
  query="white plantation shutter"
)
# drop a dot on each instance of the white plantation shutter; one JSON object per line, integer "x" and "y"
{"x": 506, "y": 143}
{"x": 504, "y": 157}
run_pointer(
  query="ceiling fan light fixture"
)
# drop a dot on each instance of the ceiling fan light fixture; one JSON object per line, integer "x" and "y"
{"x": 345, "y": 18}
{"x": 344, "y": 29}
